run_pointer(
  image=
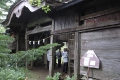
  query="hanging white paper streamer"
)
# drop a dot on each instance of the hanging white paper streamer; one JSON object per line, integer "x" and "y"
{"x": 43, "y": 40}
{"x": 39, "y": 42}
{"x": 29, "y": 42}
{"x": 33, "y": 42}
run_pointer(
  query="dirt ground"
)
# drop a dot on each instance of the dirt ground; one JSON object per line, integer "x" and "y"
{"x": 40, "y": 73}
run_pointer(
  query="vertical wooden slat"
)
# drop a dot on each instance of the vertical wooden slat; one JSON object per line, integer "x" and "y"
{"x": 76, "y": 57}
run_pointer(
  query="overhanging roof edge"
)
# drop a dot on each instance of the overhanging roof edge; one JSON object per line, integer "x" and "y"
{"x": 17, "y": 9}
{"x": 68, "y": 4}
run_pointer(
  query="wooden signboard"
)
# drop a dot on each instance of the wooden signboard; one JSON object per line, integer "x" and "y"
{"x": 90, "y": 60}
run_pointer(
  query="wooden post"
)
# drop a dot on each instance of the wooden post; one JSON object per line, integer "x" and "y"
{"x": 88, "y": 73}
{"x": 26, "y": 45}
{"x": 17, "y": 46}
{"x": 26, "y": 40}
{"x": 31, "y": 64}
{"x": 17, "y": 43}
{"x": 76, "y": 57}
{"x": 45, "y": 55}
{"x": 51, "y": 64}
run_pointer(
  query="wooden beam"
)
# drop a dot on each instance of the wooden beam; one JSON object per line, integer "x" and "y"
{"x": 102, "y": 25}
{"x": 101, "y": 13}
{"x": 16, "y": 24}
{"x": 40, "y": 29}
{"x": 63, "y": 31}
{"x": 76, "y": 57}
{"x": 53, "y": 3}
{"x": 40, "y": 21}
{"x": 69, "y": 4}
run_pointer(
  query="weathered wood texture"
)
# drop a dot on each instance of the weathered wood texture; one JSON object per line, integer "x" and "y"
{"x": 76, "y": 57}
{"x": 39, "y": 29}
{"x": 106, "y": 44}
{"x": 95, "y": 22}
{"x": 37, "y": 19}
{"x": 64, "y": 21}
{"x": 52, "y": 51}
{"x": 109, "y": 19}
{"x": 63, "y": 37}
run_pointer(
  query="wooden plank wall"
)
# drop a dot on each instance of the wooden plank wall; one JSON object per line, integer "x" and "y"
{"x": 64, "y": 21}
{"x": 106, "y": 44}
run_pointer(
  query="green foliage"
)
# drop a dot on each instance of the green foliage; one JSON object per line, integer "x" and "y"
{"x": 2, "y": 29}
{"x": 25, "y": 56}
{"x": 5, "y": 40}
{"x": 35, "y": 2}
{"x": 70, "y": 78}
{"x": 4, "y": 7}
{"x": 45, "y": 8}
{"x": 55, "y": 77}
{"x": 33, "y": 54}
{"x": 12, "y": 74}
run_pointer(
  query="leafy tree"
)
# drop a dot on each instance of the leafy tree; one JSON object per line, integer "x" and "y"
{"x": 4, "y": 7}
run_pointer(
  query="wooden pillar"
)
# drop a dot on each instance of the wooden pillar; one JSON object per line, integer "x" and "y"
{"x": 17, "y": 46}
{"x": 76, "y": 57}
{"x": 26, "y": 40}
{"x": 45, "y": 55}
{"x": 32, "y": 62}
{"x": 17, "y": 42}
{"x": 51, "y": 64}
{"x": 26, "y": 44}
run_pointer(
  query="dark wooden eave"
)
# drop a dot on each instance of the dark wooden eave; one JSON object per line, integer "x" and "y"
{"x": 39, "y": 29}
{"x": 73, "y": 2}
{"x": 18, "y": 7}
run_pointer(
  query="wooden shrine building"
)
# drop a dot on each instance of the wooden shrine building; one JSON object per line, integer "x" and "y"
{"x": 83, "y": 24}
